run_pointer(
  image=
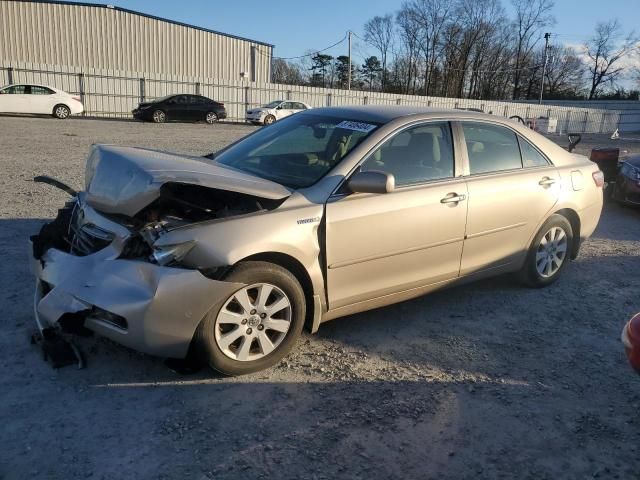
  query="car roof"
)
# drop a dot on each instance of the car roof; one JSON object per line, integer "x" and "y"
{"x": 33, "y": 84}
{"x": 387, "y": 113}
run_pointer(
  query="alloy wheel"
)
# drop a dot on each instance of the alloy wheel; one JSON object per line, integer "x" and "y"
{"x": 551, "y": 252}
{"x": 211, "y": 118}
{"x": 253, "y": 322}
{"x": 62, "y": 111}
{"x": 159, "y": 116}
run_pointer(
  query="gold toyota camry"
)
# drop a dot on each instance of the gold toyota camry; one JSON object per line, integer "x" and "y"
{"x": 324, "y": 214}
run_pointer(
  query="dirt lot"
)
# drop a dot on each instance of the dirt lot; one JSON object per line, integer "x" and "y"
{"x": 489, "y": 380}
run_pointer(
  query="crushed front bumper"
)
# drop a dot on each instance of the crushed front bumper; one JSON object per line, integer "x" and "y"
{"x": 146, "y": 307}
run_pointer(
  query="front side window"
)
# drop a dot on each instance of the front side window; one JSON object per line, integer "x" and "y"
{"x": 531, "y": 157}
{"x": 416, "y": 155}
{"x": 273, "y": 104}
{"x": 16, "y": 90}
{"x": 298, "y": 150}
{"x": 491, "y": 148}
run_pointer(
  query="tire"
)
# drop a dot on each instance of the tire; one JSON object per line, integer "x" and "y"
{"x": 222, "y": 334}
{"x": 540, "y": 270}
{"x": 211, "y": 118}
{"x": 61, "y": 112}
{"x": 158, "y": 116}
{"x": 269, "y": 119}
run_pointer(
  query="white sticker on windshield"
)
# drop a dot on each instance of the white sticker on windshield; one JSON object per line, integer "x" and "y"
{"x": 357, "y": 126}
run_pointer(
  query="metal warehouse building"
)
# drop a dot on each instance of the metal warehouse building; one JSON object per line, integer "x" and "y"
{"x": 107, "y": 37}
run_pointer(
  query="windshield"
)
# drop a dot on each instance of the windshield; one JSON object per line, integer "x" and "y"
{"x": 273, "y": 104}
{"x": 297, "y": 151}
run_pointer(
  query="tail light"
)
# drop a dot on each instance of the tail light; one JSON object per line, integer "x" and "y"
{"x": 76, "y": 98}
{"x": 598, "y": 178}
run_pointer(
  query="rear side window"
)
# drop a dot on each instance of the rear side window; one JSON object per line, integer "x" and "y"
{"x": 491, "y": 148}
{"x": 531, "y": 157}
{"x": 416, "y": 155}
{"x": 37, "y": 90}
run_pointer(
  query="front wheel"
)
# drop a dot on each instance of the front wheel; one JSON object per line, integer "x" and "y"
{"x": 549, "y": 253}
{"x": 256, "y": 326}
{"x": 269, "y": 119}
{"x": 159, "y": 116}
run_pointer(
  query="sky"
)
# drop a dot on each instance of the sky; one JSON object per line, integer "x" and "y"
{"x": 296, "y": 27}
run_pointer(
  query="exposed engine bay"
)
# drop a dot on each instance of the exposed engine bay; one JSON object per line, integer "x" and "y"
{"x": 177, "y": 205}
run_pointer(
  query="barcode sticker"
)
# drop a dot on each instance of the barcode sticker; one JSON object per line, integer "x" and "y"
{"x": 357, "y": 126}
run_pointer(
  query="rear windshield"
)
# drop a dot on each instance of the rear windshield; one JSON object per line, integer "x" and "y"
{"x": 297, "y": 151}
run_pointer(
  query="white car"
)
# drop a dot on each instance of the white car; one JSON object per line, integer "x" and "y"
{"x": 273, "y": 111}
{"x": 39, "y": 99}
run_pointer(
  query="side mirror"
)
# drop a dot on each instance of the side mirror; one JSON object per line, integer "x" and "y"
{"x": 574, "y": 139}
{"x": 373, "y": 181}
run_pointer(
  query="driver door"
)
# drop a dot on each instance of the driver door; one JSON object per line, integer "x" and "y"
{"x": 381, "y": 244}
{"x": 284, "y": 110}
{"x": 15, "y": 99}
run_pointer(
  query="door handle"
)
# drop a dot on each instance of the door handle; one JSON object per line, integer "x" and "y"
{"x": 546, "y": 182}
{"x": 453, "y": 198}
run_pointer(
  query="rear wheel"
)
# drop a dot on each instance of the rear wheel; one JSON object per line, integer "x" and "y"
{"x": 269, "y": 119}
{"x": 211, "y": 118}
{"x": 549, "y": 253}
{"x": 159, "y": 116}
{"x": 61, "y": 111}
{"x": 256, "y": 326}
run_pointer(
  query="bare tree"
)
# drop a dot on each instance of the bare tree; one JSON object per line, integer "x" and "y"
{"x": 286, "y": 72}
{"x": 531, "y": 17}
{"x": 410, "y": 34}
{"x": 433, "y": 16}
{"x": 565, "y": 72}
{"x": 379, "y": 32}
{"x": 604, "y": 52}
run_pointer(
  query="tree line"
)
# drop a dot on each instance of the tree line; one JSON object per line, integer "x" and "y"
{"x": 474, "y": 49}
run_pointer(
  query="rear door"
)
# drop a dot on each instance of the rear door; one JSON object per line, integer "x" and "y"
{"x": 41, "y": 99}
{"x": 380, "y": 244}
{"x": 512, "y": 187}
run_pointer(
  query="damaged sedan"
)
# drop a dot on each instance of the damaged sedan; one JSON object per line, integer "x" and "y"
{"x": 326, "y": 213}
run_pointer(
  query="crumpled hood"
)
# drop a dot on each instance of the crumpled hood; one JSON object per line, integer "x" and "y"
{"x": 124, "y": 180}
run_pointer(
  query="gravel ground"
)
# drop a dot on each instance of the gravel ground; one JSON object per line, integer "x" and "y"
{"x": 488, "y": 380}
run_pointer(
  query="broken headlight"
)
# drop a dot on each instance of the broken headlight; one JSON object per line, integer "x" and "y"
{"x": 168, "y": 254}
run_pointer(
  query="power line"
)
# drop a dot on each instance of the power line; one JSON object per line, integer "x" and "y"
{"x": 315, "y": 52}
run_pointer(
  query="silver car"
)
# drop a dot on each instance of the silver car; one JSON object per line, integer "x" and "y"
{"x": 323, "y": 214}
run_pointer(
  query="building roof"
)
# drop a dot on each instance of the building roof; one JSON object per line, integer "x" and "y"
{"x": 133, "y": 12}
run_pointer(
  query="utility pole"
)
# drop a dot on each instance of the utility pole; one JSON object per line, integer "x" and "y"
{"x": 349, "y": 73}
{"x": 544, "y": 67}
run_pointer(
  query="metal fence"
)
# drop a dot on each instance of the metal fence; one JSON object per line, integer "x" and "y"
{"x": 114, "y": 94}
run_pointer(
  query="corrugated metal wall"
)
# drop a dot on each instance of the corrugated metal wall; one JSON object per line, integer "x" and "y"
{"x": 113, "y": 39}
